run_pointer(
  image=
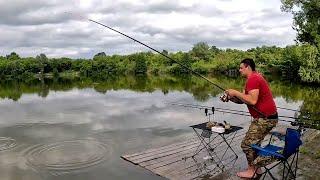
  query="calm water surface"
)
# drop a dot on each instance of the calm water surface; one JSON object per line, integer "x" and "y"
{"x": 79, "y": 129}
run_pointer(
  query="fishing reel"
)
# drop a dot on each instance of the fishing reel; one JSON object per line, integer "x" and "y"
{"x": 224, "y": 97}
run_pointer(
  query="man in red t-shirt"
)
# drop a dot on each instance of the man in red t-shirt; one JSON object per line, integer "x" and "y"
{"x": 258, "y": 97}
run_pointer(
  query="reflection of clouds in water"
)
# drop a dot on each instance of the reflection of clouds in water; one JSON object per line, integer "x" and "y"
{"x": 113, "y": 110}
{"x": 6, "y": 101}
{"x": 121, "y": 109}
{"x": 57, "y": 95}
{"x": 174, "y": 116}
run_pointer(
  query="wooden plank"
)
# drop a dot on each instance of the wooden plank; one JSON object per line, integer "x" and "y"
{"x": 184, "y": 168}
{"x": 158, "y": 149}
{"x": 181, "y": 165}
{"x": 161, "y": 155}
{"x": 169, "y": 160}
{"x": 197, "y": 170}
{"x": 154, "y": 154}
{"x": 228, "y": 162}
{"x": 166, "y": 153}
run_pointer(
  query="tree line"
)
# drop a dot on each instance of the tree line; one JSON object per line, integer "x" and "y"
{"x": 296, "y": 62}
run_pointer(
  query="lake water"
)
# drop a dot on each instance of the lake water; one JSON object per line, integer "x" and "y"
{"x": 78, "y": 129}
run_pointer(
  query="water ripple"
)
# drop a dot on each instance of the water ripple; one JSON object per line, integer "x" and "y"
{"x": 7, "y": 143}
{"x": 66, "y": 156}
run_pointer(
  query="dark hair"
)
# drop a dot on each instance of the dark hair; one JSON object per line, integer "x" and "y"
{"x": 249, "y": 62}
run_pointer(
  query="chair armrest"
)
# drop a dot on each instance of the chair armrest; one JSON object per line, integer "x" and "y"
{"x": 265, "y": 152}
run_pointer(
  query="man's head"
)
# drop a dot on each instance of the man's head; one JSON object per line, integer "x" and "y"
{"x": 246, "y": 67}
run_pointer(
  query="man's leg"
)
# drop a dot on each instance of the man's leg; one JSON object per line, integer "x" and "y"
{"x": 257, "y": 131}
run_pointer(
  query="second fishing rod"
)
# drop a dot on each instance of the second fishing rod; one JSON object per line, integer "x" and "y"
{"x": 181, "y": 64}
{"x": 306, "y": 120}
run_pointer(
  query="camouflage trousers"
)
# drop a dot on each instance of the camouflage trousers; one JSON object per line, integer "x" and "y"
{"x": 257, "y": 131}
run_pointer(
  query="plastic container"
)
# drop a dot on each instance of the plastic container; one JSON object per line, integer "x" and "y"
{"x": 218, "y": 129}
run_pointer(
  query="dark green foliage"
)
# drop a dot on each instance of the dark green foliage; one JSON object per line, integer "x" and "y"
{"x": 309, "y": 70}
{"x": 43, "y": 62}
{"x": 185, "y": 60}
{"x": 306, "y": 19}
{"x": 13, "y": 56}
{"x": 201, "y": 51}
{"x": 140, "y": 63}
{"x": 307, "y": 24}
{"x": 297, "y": 62}
{"x": 291, "y": 62}
{"x": 100, "y": 54}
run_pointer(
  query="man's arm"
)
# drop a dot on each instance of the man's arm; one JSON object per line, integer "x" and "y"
{"x": 251, "y": 98}
{"x": 235, "y": 100}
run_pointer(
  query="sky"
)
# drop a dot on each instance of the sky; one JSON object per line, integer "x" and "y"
{"x": 60, "y": 28}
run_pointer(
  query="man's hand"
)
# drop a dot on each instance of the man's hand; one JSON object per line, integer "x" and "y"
{"x": 232, "y": 92}
{"x": 233, "y": 96}
{"x": 251, "y": 98}
{"x": 224, "y": 97}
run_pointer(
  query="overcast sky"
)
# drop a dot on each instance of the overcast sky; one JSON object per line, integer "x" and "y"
{"x": 60, "y": 28}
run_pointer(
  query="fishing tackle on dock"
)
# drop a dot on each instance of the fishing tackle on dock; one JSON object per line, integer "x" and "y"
{"x": 296, "y": 121}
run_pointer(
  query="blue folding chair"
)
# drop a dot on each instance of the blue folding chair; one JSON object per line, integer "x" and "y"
{"x": 281, "y": 154}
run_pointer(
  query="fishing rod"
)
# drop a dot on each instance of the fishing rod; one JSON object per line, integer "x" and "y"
{"x": 184, "y": 66}
{"x": 302, "y": 124}
{"x": 237, "y": 112}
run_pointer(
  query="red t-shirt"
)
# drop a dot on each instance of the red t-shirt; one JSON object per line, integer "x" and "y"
{"x": 265, "y": 103}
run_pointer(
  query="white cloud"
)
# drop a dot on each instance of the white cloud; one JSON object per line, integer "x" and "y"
{"x": 60, "y": 28}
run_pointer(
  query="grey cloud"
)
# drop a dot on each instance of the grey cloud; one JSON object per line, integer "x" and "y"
{"x": 123, "y": 21}
{"x": 24, "y": 12}
{"x": 30, "y": 28}
{"x": 167, "y": 7}
{"x": 15, "y": 7}
{"x": 146, "y": 7}
{"x": 149, "y": 30}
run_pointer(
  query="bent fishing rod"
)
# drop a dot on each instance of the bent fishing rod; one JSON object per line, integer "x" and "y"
{"x": 182, "y": 65}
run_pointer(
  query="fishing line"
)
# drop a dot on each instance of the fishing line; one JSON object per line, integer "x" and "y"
{"x": 238, "y": 112}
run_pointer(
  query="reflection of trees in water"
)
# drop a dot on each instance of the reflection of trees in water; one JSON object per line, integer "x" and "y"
{"x": 310, "y": 96}
{"x": 310, "y": 108}
{"x": 199, "y": 88}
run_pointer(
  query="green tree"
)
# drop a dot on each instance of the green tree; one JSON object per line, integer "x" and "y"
{"x": 13, "y": 56}
{"x": 201, "y": 51}
{"x": 141, "y": 66}
{"x": 309, "y": 70}
{"x": 306, "y": 19}
{"x": 43, "y": 60}
{"x": 291, "y": 61}
{"x": 186, "y": 61}
{"x": 165, "y": 52}
{"x": 99, "y": 55}
{"x": 215, "y": 50}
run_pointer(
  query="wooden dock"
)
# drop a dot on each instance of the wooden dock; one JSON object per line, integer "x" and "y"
{"x": 170, "y": 161}
{"x": 175, "y": 162}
